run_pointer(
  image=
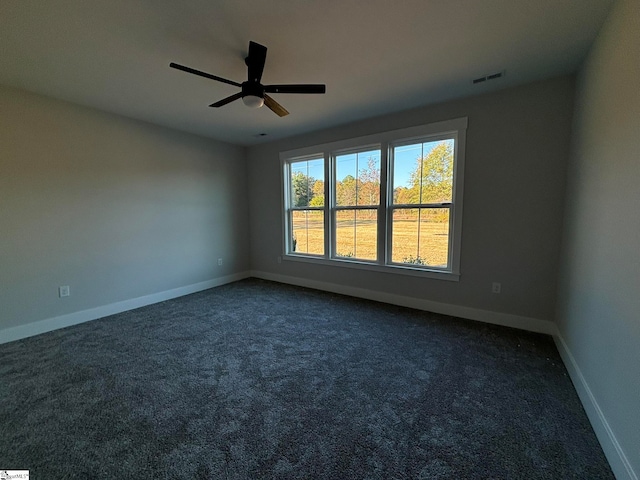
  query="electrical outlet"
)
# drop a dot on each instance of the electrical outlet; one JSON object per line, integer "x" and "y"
{"x": 63, "y": 291}
{"x": 496, "y": 287}
{"x": 219, "y": 262}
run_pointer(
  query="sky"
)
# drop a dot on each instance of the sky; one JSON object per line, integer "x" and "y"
{"x": 405, "y": 158}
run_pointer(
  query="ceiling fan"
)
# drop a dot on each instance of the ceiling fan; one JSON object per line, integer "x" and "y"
{"x": 253, "y": 93}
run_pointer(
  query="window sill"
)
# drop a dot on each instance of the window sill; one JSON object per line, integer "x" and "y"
{"x": 393, "y": 269}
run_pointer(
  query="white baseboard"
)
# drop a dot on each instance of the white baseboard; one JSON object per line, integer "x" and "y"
{"x": 618, "y": 460}
{"x": 613, "y": 451}
{"x": 54, "y": 323}
{"x": 615, "y": 455}
{"x": 505, "y": 319}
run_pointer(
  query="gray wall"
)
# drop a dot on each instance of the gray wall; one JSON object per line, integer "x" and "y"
{"x": 517, "y": 150}
{"x": 112, "y": 207}
{"x": 599, "y": 307}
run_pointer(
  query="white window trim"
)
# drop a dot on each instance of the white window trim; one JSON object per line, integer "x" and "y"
{"x": 455, "y": 128}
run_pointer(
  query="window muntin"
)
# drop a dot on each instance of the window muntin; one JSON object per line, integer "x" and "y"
{"x": 411, "y": 224}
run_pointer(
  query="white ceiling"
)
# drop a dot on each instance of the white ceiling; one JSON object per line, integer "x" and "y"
{"x": 375, "y": 56}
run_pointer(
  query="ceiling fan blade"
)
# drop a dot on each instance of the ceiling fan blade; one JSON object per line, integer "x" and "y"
{"x": 224, "y": 101}
{"x": 203, "y": 74}
{"x": 274, "y": 106}
{"x": 255, "y": 61}
{"x": 309, "y": 88}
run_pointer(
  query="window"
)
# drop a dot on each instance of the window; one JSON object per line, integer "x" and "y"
{"x": 306, "y": 206}
{"x": 356, "y": 202}
{"x": 421, "y": 204}
{"x": 390, "y": 202}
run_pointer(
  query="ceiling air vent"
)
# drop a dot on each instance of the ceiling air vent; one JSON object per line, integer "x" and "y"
{"x": 486, "y": 78}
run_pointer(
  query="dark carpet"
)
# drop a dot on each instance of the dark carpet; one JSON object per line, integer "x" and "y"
{"x": 260, "y": 380}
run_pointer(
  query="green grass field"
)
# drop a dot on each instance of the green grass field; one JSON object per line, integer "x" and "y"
{"x": 358, "y": 239}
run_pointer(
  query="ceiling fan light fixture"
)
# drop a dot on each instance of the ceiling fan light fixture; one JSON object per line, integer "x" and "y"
{"x": 253, "y": 101}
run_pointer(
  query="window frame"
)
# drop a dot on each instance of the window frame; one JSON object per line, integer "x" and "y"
{"x": 385, "y": 141}
{"x": 289, "y": 211}
{"x": 391, "y": 206}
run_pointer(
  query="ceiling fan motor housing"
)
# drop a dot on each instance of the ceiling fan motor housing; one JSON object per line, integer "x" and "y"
{"x": 252, "y": 88}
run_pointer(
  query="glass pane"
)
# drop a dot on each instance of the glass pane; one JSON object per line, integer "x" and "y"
{"x": 434, "y": 236}
{"x": 345, "y": 233}
{"x": 357, "y": 234}
{"x": 369, "y": 178}
{"x": 367, "y": 234}
{"x": 308, "y": 232}
{"x": 423, "y": 172}
{"x": 421, "y": 236}
{"x": 307, "y": 183}
{"x": 405, "y": 164}
{"x": 358, "y": 178}
{"x": 346, "y": 173}
{"x": 437, "y": 171}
